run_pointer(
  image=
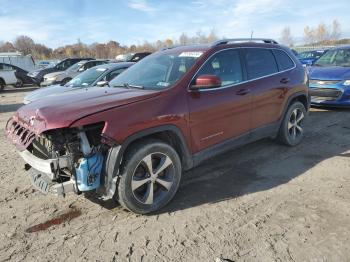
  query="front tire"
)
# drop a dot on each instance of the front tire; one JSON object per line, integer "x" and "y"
{"x": 292, "y": 128}
{"x": 65, "y": 81}
{"x": 151, "y": 174}
{"x": 2, "y": 85}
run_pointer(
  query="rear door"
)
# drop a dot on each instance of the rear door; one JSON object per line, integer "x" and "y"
{"x": 220, "y": 113}
{"x": 265, "y": 85}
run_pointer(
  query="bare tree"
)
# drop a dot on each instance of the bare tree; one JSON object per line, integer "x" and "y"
{"x": 336, "y": 30}
{"x": 286, "y": 37}
{"x": 322, "y": 33}
{"x": 24, "y": 44}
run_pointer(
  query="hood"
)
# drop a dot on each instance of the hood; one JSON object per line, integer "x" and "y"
{"x": 329, "y": 73}
{"x": 44, "y": 92}
{"x": 61, "y": 110}
{"x": 42, "y": 72}
{"x": 54, "y": 74}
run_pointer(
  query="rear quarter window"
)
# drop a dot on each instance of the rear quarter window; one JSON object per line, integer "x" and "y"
{"x": 283, "y": 60}
{"x": 259, "y": 62}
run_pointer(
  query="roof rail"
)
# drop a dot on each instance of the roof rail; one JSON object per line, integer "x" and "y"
{"x": 227, "y": 41}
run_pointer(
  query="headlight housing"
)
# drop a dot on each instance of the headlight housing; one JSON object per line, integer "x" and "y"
{"x": 51, "y": 78}
{"x": 346, "y": 83}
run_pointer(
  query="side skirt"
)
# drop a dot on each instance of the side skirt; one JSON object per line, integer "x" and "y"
{"x": 270, "y": 130}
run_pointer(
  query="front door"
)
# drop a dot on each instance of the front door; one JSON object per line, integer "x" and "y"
{"x": 220, "y": 113}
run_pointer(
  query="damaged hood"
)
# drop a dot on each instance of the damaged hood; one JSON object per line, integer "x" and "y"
{"x": 61, "y": 110}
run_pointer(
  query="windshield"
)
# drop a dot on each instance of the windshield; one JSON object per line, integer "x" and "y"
{"x": 337, "y": 57}
{"x": 74, "y": 67}
{"x": 86, "y": 78}
{"x": 314, "y": 54}
{"x": 157, "y": 71}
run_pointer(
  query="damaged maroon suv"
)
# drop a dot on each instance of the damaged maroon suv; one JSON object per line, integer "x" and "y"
{"x": 177, "y": 107}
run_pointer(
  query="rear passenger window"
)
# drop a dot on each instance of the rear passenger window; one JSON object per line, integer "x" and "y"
{"x": 283, "y": 60}
{"x": 226, "y": 65}
{"x": 260, "y": 62}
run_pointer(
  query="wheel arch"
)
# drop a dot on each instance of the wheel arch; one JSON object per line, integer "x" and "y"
{"x": 302, "y": 97}
{"x": 168, "y": 133}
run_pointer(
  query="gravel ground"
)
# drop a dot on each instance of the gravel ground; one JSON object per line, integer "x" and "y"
{"x": 262, "y": 202}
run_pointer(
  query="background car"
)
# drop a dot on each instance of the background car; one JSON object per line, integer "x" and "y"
{"x": 7, "y": 77}
{"x": 308, "y": 58}
{"x": 21, "y": 74}
{"x": 96, "y": 76}
{"x": 132, "y": 57}
{"x": 38, "y": 75}
{"x": 330, "y": 78}
{"x": 71, "y": 72}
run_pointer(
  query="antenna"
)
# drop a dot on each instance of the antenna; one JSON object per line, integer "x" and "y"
{"x": 251, "y": 34}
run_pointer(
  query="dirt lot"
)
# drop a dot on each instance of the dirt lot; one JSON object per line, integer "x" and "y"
{"x": 263, "y": 202}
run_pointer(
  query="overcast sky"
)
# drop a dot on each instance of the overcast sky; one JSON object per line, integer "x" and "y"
{"x": 57, "y": 23}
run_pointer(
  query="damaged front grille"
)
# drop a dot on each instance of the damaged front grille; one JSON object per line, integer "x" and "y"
{"x": 19, "y": 133}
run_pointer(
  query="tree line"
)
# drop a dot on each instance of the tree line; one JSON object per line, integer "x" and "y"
{"x": 322, "y": 34}
{"x": 111, "y": 49}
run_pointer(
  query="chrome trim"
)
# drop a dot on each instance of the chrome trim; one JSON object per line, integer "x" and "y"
{"x": 46, "y": 166}
{"x": 243, "y": 82}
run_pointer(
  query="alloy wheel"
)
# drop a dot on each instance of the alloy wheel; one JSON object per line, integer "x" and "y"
{"x": 153, "y": 178}
{"x": 295, "y": 123}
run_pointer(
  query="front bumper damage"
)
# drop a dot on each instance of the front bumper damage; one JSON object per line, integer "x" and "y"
{"x": 74, "y": 160}
{"x": 43, "y": 174}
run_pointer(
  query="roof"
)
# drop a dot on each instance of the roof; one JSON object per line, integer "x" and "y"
{"x": 115, "y": 65}
{"x": 341, "y": 47}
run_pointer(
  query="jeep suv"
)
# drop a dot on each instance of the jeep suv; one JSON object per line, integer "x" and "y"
{"x": 166, "y": 114}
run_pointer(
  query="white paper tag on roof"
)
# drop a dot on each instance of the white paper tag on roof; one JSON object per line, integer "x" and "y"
{"x": 191, "y": 54}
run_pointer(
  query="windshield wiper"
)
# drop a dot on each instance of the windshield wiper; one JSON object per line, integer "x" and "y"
{"x": 128, "y": 86}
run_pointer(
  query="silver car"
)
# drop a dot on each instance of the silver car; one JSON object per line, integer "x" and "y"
{"x": 65, "y": 76}
{"x": 96, "y": 76}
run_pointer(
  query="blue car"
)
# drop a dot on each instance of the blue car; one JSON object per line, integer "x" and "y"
{"x": 308, "y": 58}
{"x": 330, "y": 78}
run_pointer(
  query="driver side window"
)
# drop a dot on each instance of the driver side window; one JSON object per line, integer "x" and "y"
{"x": 113, "y": 74}
{"x": 226, "y": 65}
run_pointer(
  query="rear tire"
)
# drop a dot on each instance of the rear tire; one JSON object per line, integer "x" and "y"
{"x": 292, "y": 127}
{"x": 150, "y": 176}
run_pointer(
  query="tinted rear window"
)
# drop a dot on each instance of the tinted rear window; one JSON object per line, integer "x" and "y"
{"x": 283, "y": 60}
{"x": 260, "y": 62}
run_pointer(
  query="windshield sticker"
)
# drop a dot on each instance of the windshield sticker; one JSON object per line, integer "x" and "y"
{"x": 101, "y": 69}
{"x": 191, "y": 54}
{"x": 165, "y": 84}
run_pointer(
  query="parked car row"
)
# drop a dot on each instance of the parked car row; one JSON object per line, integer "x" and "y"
{"x": 19, "y": 70}
{"x": 128, "y": 130}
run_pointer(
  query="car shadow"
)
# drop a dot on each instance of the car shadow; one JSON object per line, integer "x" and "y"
{"x": 10, "y": 107}
{"x": 262, "y": 165}
{"x": 19, "y": 89}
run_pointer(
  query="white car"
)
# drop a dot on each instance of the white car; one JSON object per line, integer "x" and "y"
{"x": 7, "y": 77}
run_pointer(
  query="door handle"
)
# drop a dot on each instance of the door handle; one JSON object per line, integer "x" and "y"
{"x": 285, "y": 80}
{"x": 243, "y": 92}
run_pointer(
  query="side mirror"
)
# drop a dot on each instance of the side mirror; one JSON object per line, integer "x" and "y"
{"x": 102, "y": 83}
{"x": 206, "y": 82}
{"x": 81, "y": 69}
